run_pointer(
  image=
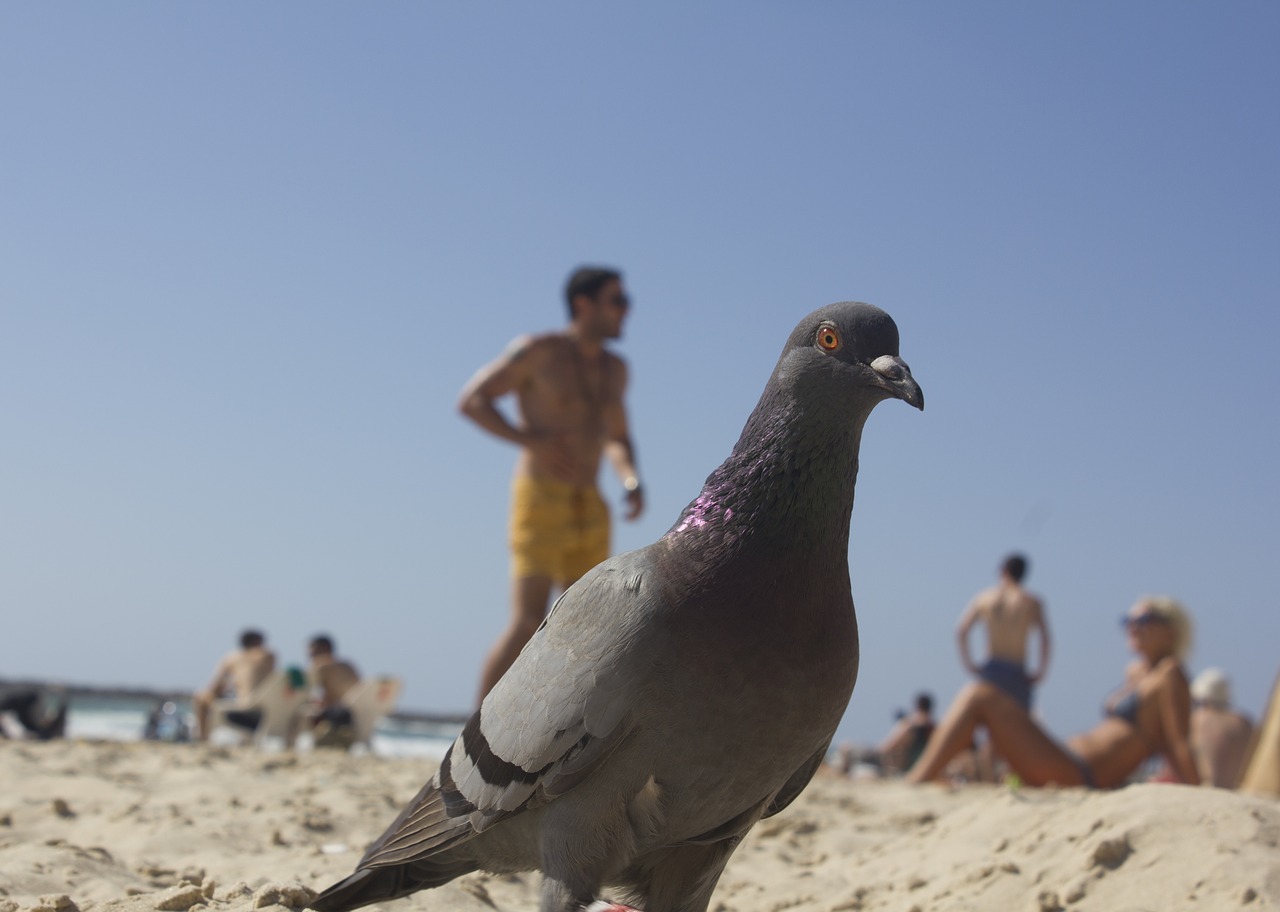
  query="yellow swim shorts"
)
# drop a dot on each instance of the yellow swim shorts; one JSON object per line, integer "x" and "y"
{"x": 557, "y": 530}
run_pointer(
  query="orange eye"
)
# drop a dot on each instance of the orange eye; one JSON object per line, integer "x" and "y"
{"x": 828, "y": 338}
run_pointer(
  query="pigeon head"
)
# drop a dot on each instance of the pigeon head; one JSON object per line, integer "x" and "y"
{"x": 846, "y": 351}
{"x": 791, "y": 474}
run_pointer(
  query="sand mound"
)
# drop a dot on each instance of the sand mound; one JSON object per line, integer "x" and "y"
{"x": 141, "y": 827}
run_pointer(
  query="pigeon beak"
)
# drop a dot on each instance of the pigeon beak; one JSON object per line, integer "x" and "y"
{"x": 895, "y": 377}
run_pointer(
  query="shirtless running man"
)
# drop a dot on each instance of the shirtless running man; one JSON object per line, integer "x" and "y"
{"x": 1009, "y": 613}
{"x": 569, "y": 396}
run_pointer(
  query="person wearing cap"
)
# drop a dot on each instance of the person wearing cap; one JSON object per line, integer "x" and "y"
{"x": 1219, "y": 735}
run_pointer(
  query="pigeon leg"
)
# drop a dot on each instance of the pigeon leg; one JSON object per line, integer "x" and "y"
{"x": 559, "y": 896}
{"x": 684, "y": 879}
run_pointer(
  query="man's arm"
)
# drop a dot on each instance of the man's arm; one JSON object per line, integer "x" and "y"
{"x": 896, "y": 740}
{"x": 618, "y": 447}
{"x": 1041, "y": 625}
{"x": 326, "y": 677}
{"x": 493, "y": 381}
{"x": 219, "y": 685}
{"x": 1175, "y": 718}
{"x": 512, "y": 369}
{"x": 967, "y": 620}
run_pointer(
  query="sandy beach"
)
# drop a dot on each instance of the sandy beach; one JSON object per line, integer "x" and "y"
{"x": 135, "y": 827}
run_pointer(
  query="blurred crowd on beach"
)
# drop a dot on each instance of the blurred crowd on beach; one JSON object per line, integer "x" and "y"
{"x": 247, "y": 692}
{"x": 1157, "y": 725}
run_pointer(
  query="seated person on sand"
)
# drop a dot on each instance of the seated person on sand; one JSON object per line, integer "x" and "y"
{"x": 42, "y": 725}
{"x": 1150, "y": 715}
{"x": 1010, "y": 613}
{"x": 236, "y": 676}
{"x": 1219, "y": 735}
{"x": 331, "y": 677}
{"x": 904, "y": 744}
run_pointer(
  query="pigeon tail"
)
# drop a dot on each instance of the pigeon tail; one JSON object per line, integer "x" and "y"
{"x": 370, "y": 885}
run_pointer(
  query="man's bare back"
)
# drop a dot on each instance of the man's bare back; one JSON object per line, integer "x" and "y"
{"x": 1008, "y": 614}
{"x": 333, "y": 678}
{"x": 240, "y": 672}
{"x": 1220, "y": 743}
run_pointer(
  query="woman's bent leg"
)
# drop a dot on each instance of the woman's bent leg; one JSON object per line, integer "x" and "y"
{"x": 1026, "y": 747}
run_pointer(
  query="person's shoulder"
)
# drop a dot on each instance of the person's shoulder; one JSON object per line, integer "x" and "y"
{"x": 985, "y": 599}
{"x": 1240, "y": 719}
{"x": 616, "y": 369}
{"x": 532, "y": 345}
{"x": 1170, "y": 669}
{"x": 546, "y": 339}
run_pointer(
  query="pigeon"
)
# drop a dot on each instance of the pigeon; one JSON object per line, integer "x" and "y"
{"x": 677, "y": 694}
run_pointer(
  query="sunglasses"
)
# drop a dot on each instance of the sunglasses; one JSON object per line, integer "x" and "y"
{"x": 1142, "y": 620}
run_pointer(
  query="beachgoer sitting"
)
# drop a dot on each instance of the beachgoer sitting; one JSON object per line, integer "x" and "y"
{"x": 1219, "y": 735}
{"x": 906, "y": 741}
{"x": 1149, "y": 715}
{"x": 332, "y": 678}
{"x": 165, "y": 723}
{"x": 42, "y": 725}
{"x": 237, "y": 674}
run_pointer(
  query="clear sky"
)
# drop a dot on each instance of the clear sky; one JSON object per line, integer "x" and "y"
{"x": 253, "y": 251}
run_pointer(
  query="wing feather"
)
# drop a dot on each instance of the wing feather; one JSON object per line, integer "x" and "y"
{"x": 552, "y": 718}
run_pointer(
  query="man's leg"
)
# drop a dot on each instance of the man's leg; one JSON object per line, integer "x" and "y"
{"x": 202, "y": 703}
{"x": 529, "y": 597}
{"x": 1029, "y": 750}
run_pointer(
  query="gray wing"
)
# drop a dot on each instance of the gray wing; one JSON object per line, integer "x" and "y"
{"x": 550, "y": 720}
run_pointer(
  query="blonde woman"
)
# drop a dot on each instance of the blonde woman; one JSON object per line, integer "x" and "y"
{"x": 1150, "y": 715}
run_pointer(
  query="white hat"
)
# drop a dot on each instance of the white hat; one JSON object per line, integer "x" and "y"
{"x": 1211, "y": 686}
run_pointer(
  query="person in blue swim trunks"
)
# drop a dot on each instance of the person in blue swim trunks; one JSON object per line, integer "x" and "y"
{"x": 1010, "y": 615}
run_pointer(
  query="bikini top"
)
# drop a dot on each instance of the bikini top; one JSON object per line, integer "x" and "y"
{"x": 1126, "y": 708}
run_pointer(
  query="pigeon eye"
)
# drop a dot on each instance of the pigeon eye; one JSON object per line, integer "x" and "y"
{"x": 828, "y": 338}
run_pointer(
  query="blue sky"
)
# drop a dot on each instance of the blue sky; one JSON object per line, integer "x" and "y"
{"x": 253, "y": 252}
